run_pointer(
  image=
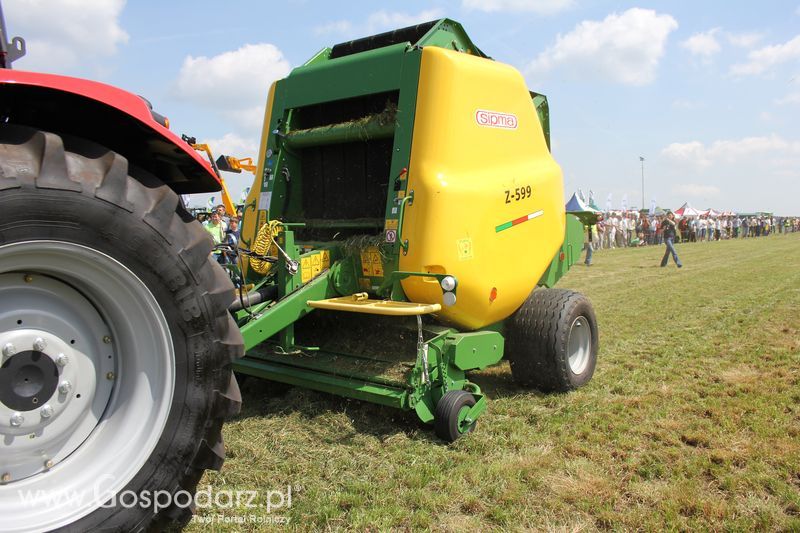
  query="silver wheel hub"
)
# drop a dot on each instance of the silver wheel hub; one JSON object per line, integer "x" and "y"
{"x": 579, "y": 345}
{"x": 87, "y": 374}
{"x": 55, "y": 406}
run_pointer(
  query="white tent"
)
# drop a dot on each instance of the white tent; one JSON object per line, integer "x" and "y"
{"x": 687, "y": 211}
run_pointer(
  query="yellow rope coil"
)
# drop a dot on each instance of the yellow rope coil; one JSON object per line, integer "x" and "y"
{"x": 265, "y": 245}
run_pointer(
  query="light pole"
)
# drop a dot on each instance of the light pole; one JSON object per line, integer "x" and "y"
{"x": 642, "y": 161}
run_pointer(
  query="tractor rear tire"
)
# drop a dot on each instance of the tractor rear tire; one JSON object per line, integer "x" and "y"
{"x": 552, "y": 341}
{"x": 104, "y": 268}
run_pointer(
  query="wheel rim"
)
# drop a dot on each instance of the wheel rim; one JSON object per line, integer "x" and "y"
{"x": 462, "y": 425}
{"x": 579, "y": 345}
{"x": 72, "y": 315}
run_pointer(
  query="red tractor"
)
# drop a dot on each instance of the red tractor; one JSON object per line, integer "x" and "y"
{"x": 115, "y": 337}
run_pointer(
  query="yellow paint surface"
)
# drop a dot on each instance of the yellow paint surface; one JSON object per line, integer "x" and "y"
{"x": 460, "y": 173}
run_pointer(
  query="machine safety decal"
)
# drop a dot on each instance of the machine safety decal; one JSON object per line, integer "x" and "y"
{"x": 264, "y": 201}
{"x": 464, "y": 249}
{"x": 312, "y": 265}
{"x": 517, "y": 221}
{"x": 371, "y": 264}
{"x": 494, "y": 119}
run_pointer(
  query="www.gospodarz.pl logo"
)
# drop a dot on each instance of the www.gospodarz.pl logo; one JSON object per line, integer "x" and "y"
{"x": 205, "y": 498}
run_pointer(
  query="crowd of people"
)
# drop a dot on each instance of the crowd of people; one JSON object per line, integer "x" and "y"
{"x": 623, "y": 229}
{"x": 224, "y": 232}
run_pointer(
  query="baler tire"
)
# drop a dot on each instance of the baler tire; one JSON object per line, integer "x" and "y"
{"x": 67, "y": 196}
{"x": 447, "y": 419}
{"x": 544, "y": 333}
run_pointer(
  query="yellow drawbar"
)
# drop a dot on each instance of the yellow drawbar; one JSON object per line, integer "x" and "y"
{"x": 488, "y": 204}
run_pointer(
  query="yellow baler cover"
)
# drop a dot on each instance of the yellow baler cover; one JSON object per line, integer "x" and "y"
{"x": 488, "y": 205}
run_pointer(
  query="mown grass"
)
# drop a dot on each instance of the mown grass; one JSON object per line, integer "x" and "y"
{"x": 692, "y": 420}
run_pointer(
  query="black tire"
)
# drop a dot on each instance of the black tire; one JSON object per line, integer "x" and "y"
{"x": 74, "y": 191}
{"x": 446, "y": 418}
{"x": 538, "y": 337}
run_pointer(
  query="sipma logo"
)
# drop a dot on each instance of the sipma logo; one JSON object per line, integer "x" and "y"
{"x": 493, "y": 119}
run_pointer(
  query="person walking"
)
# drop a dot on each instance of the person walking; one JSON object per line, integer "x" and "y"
{"x": 587, "y": 245}
{"x": 668, "y": 231}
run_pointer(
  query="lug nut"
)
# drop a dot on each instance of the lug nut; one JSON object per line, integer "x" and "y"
{"x": 17, "y": 419}
{"x": 62, "y": 360}
{"x": 64, "y": 387}
{"x": 6, "y": 478}
{"x": 46, "y": 411}
{"x": 39, "y": 345}
{"x": 9, "y": 349}
{"x": 107, "y": 339}
{"x": 110, "y": 376}
{"x": 48, "y": 464}
{"x": 28, "y": 278}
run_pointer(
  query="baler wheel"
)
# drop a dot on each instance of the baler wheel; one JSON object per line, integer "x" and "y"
{"x": 111, "y": 303}
{"x": 451, "y": 411}
{"x": 552, "y": 341}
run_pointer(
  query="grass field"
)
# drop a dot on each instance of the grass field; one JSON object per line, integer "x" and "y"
{"x": 692, "y": 420}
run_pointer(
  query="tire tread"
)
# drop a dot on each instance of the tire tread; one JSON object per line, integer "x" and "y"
{"x": 38, "y": 159}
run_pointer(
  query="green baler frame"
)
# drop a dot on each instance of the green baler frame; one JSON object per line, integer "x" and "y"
{"x": 442, "y": 360}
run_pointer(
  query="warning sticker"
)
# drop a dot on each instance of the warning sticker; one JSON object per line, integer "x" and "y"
{"x": 391, "y": 235}
{"x": 264, "y": 201}
{"x": 464, "y": 249}
{"x": 305, "y": 269}
{"x": 371, "y": 264}
{"x": 391, "y": 223}
{"x": 316, "y": 264}
{"x": 312, "y": 265}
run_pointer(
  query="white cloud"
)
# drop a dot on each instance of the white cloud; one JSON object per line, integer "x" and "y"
{"x": 63, "y": 33}
{"x": 624, "y": 48}
{"x": 392, "y": 20}
{"x": 703, "y": 44}
{"x": 377, "y": 22}
{"x": 542, "y": 7}
{"x": 789, "y": 99}
{"x": 235, "y": 83}
{"x": 233, "y": 145}
{"x": 730, "y": 151}
{"x": 696, "y": 190}
{"x": 744, "y": 40}
{"x": 746, "y": 174}
{"x": 764, "y": 59}
{"x": 334, "y": 27}
{"x": 694, "y": 152}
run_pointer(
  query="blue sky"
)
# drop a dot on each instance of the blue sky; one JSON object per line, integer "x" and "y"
{"x": 707, "y": 92}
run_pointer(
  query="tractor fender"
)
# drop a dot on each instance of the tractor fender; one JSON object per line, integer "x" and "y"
{"x": 117, "y": 119}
